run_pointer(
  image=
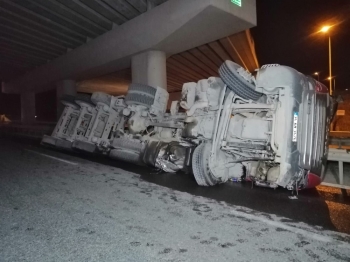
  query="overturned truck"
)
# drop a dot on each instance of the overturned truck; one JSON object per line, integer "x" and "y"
{"x": 271, "y": 129}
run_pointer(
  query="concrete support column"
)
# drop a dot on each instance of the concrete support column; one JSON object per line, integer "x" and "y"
{"x": 149, "y": 68}
{"x": 64, "y": 87}
{"x": 28, "y": 108}
{"x": 150, "y": 5}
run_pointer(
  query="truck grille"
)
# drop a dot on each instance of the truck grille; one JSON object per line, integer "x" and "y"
{"x": 312, "y": 138}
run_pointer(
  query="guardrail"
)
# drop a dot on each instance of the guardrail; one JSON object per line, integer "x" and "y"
{"x": 340, "y": 143}
{"x": 340, "y": 134}
{"x": 339, "y": 151}
{"x": 35, "y": 131}
{"x": 338, "y": 180}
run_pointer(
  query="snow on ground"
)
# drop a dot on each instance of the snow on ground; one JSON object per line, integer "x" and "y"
{"x": 78, "y": 210}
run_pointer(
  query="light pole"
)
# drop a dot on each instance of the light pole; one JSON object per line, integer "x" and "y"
{"x": 325, "y": 29}
{"x": 330, "y": 80}
{"x": 318, "y": 76}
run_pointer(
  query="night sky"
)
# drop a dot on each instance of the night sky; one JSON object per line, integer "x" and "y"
{"x": 286, "y": 35}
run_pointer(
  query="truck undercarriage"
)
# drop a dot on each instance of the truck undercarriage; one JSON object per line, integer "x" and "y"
{"x": 271, "y": 129}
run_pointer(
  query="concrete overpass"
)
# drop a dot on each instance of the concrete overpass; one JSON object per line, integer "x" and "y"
{"x": 90, "y": 45}
{"x": 188, "y": 66}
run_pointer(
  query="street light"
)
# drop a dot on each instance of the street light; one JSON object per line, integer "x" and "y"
{"x": 330, "y": 80}
{"x": 318, "y": 76}
{"x": 325, "y": 29}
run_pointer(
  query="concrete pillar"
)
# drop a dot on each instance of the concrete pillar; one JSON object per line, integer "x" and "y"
{"x": 28, "y": 108}
{"x": 149, "y": 68}
{"x": 150, "y": 5}
{"x": 64, "y": 87}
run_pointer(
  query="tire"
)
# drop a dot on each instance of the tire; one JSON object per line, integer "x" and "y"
{"x": 68, "y": 100}
{"x": 81, "y": 103}
{"x": 235, "y": 82}
{"x": 99, "y": 97}
{"x": 139, "y": 94}
{"x": 200, "y": 165}
{"x": 84, "y": 99}
{"x": 141, "y": 88}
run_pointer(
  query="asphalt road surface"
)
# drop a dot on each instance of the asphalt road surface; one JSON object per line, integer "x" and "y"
{"x": 58, "y": 206}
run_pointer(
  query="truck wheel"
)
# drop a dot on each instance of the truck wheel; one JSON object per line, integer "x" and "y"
{"x": 69, "y": 100}
{"x": 82, "y": 99}
{"x": 139, "y": 94}
{"x": 82, "y": 103}
{"x": 200, "y": 165}
{"x": 234, "y": 81}
{"x": 99, "y": 97}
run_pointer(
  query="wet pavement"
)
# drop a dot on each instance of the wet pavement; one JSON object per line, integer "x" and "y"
{"x": 59, "y": 206}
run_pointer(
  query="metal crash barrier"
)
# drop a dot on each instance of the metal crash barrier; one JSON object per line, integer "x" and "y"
{"x": 341, "y": 156}
{"x": 339, "y": 151}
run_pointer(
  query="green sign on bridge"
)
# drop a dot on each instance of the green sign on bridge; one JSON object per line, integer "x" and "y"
{"x": 237, "y": 2}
